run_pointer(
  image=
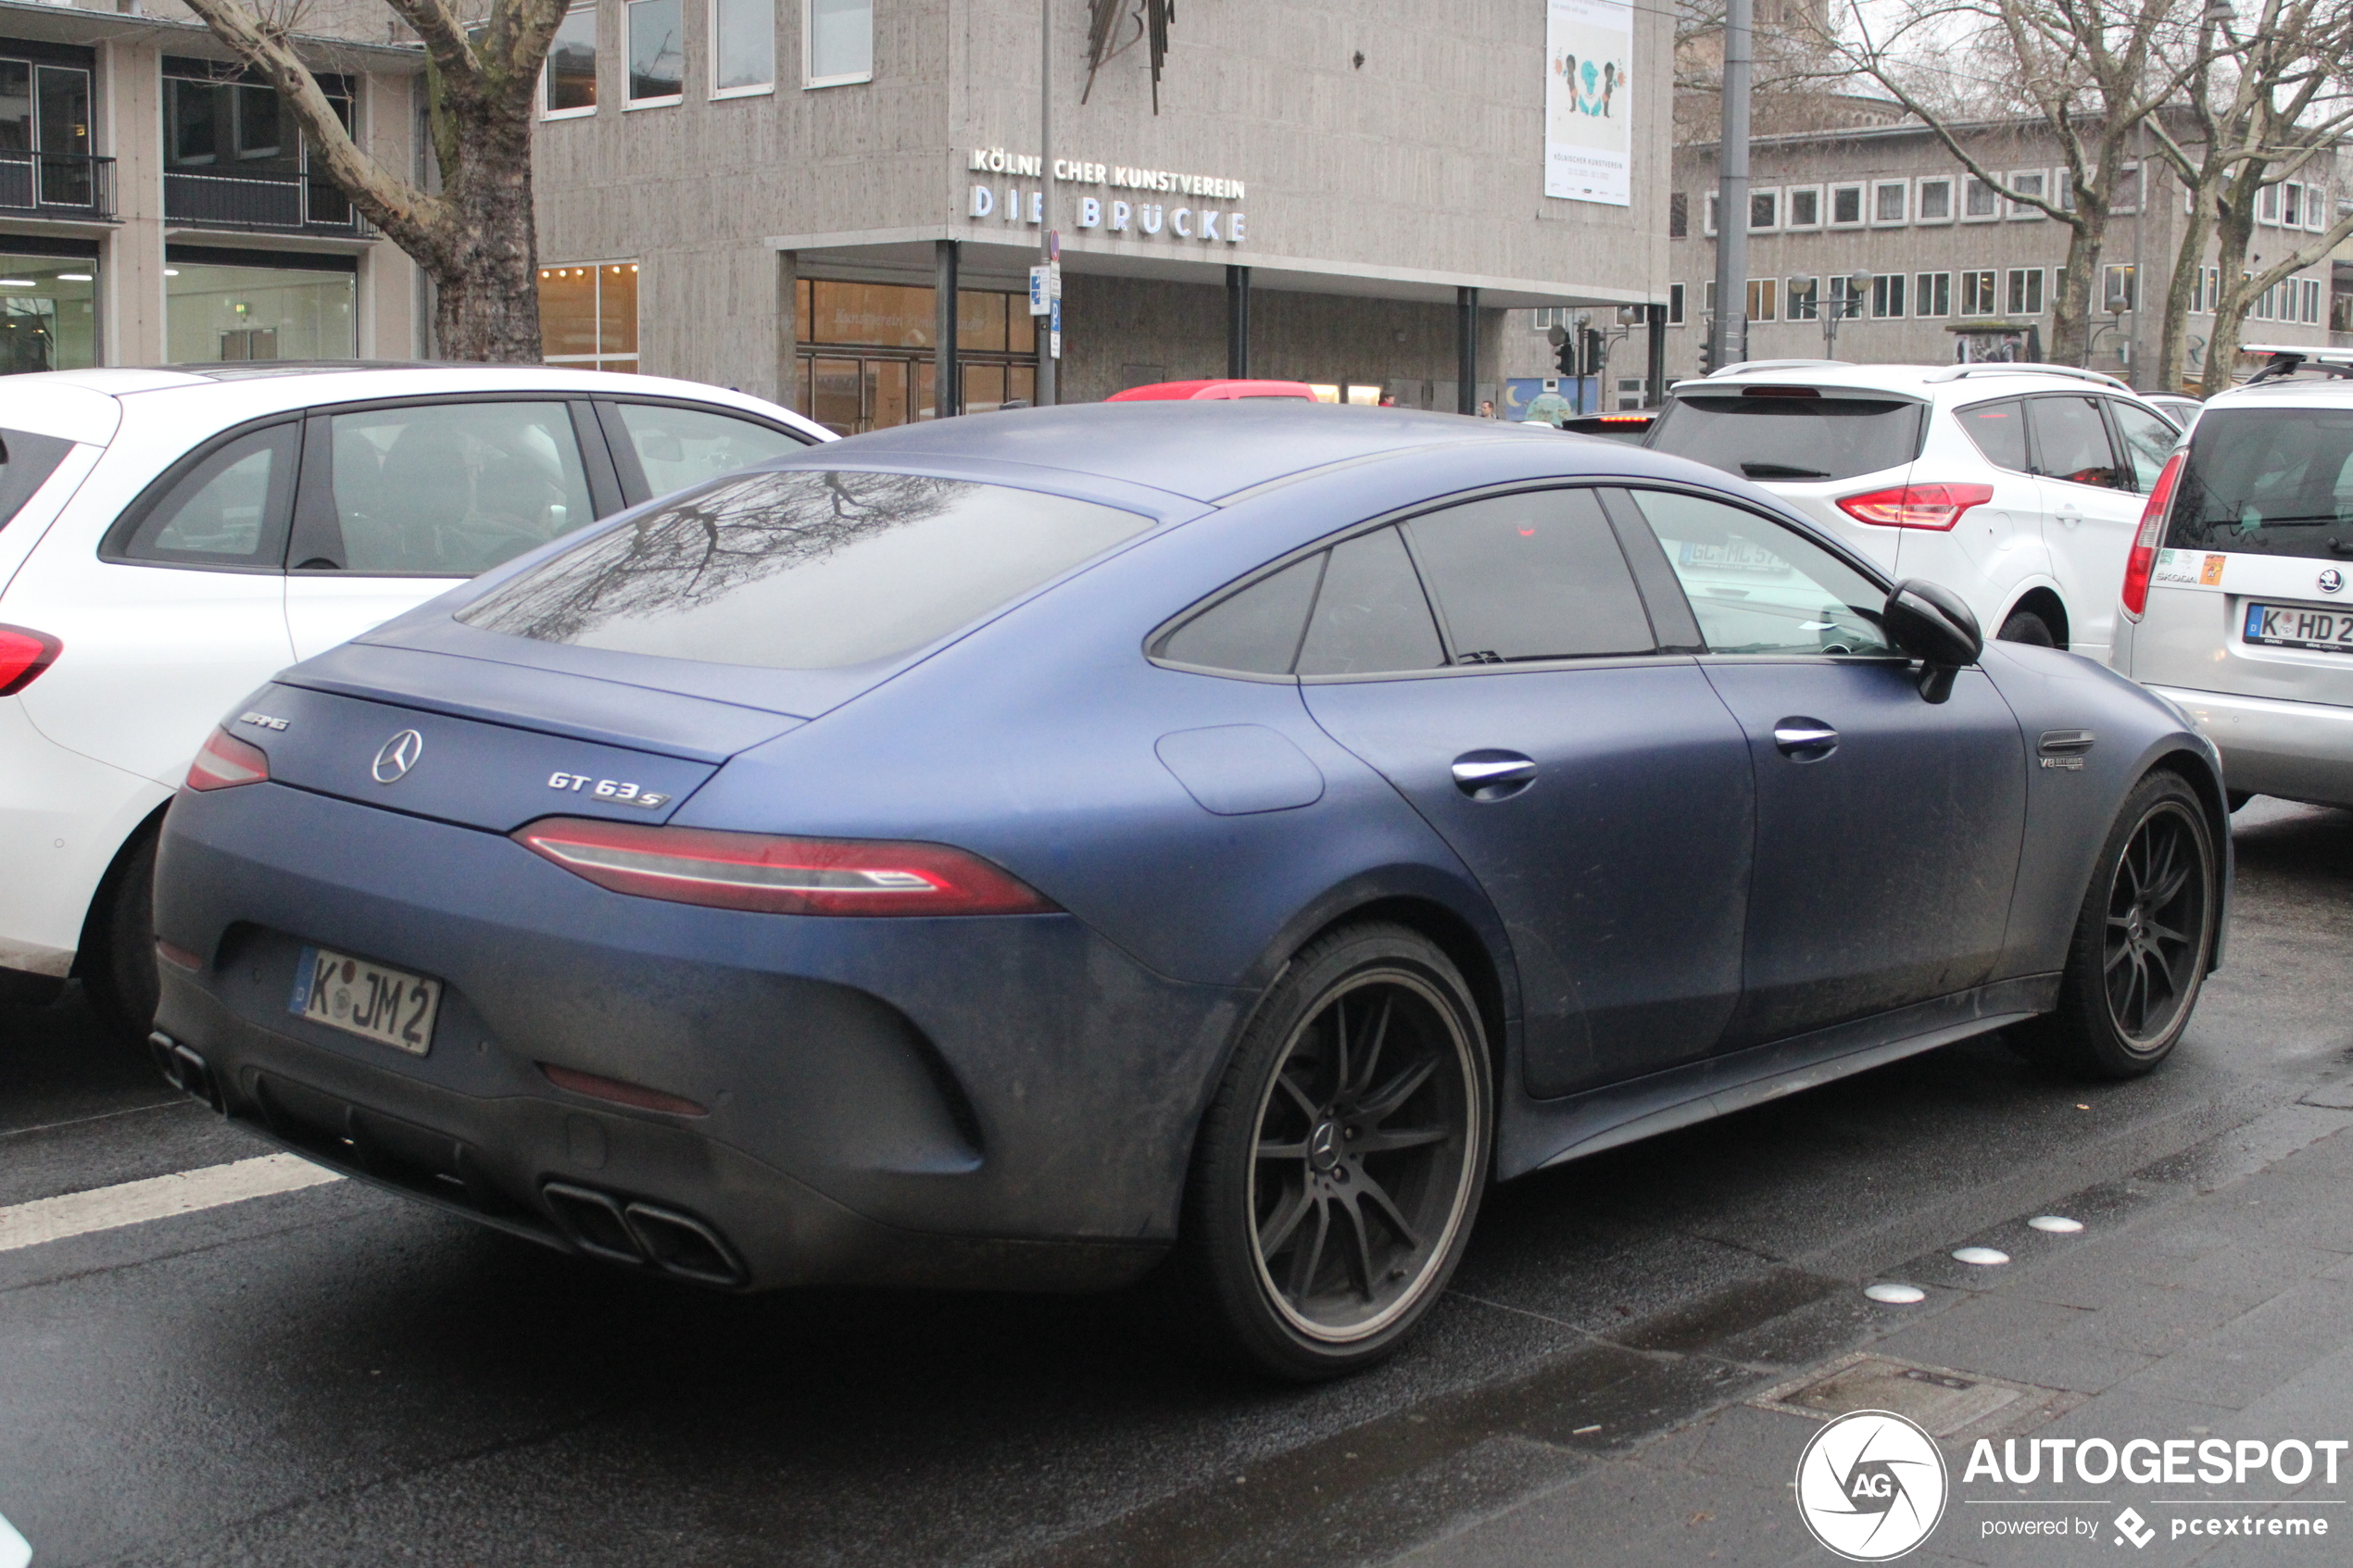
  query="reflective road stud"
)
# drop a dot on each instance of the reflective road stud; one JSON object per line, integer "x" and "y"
{"x": 1895, "y": 1295}
{"x": 2058, "y": 1225}
{"x": 1984, "y": 1257}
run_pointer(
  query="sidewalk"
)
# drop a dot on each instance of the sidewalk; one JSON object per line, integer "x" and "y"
{"x": 2208, "y": 1296}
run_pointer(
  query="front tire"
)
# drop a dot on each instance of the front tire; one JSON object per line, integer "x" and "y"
{"x": 1341, "y": 1166}
{"x": 2142, "y": 940}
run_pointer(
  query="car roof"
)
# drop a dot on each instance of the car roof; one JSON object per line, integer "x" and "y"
{"x": 2305, "y": 392}
{"x": 1206, "y": 450}
{"x": 1930, "y": 382}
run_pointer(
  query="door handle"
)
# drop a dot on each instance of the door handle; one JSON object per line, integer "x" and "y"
{"x": 1804, "y": 740}
{"x": 1493, "y": 775}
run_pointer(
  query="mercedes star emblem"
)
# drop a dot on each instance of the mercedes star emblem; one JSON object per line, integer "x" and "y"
{"x": 399, "y": 754}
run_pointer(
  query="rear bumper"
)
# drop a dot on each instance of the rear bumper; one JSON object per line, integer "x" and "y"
{"x": 2294, "y": 750}
{"x": 997, "y": 1102}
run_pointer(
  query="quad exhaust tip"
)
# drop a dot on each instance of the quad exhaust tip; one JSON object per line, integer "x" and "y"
{"x": 183, "y": 1069}
{"x": 643, "y": 1234}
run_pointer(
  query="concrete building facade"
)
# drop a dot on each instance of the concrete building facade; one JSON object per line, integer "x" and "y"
{"x": 1954, "y": 270}
{"x": 158, "y": 204}
{"x": 783, "y": 195}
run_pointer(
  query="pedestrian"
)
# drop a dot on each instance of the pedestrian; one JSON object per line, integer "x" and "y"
{"x": 1486, "y": 407}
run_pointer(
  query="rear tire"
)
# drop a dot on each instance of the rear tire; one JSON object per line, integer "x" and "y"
{"x": 1341, "y": 1166}
{"x": 120, "y": 971}
{"x": 2025, "y": 626}
{"x": 2142, "y": 940}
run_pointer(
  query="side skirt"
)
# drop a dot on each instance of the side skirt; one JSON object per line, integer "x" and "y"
{"x": 1540, "y": 1133}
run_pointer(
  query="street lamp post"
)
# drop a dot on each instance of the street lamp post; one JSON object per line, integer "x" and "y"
{"x": 1833, "y": 310}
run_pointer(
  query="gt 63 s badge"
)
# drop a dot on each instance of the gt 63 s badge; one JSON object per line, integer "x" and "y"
{"x": 1871, "y": 1486}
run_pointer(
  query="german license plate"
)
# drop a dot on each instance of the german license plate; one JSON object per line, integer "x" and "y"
{"x": 388, "y": 1006}
{"x": 2287, "y": 626}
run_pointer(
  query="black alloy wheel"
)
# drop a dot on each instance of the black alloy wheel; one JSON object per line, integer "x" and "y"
{"x": 2141, "y": 939}
{"x": 1341, "y": 1166}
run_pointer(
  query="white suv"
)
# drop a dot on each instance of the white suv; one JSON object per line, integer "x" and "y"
{"x": 2016, "y": 486}
{"x": 2236, "y": 598}
{"x": 169, "y": 539}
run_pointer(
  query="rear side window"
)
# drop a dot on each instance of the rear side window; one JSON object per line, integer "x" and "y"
{"x": 2071, "y": 442}
{"x": 803, "y": 570}
{"x": 676, "y": 447}
{"x": 1537, "y": 576}
{"x": 1999, "y": 430}
{"x": 1803, "y": 440}
{"x": 26, "y": 463}
{"x": 2268, "y": 482}
{"x": 1371, "y": 617}
{"x": 227, "y": 508}
{"x": 2149, "y": 440}
{"x": 1257, "y": 631}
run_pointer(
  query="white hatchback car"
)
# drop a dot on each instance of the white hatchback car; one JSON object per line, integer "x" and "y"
{"x": 2016, "y": 486}
{"x": 170, "y": 538}
{"x": 2238, "y": 599}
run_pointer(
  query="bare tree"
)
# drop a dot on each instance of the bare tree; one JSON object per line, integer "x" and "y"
{"x": 474, "y": 235}
{"x": 2270, "y": 103}
{"x": 2090, "y": 71}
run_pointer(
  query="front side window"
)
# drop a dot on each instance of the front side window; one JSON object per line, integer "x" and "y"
{"x": 1532, "y": 576}
{"x": 2070, "y": 440}
{"x": 568, "y": 80}
{"x": 657, "y": 53}
{"x": 1758, "y": 587}
{"x": 228, "y": 508}
{"x": 453, "y": 489}
{"x": 2149, "y": 440}
{"x": 803, "y": 570}
{"x": 2268, "y": 482}
{"x": 675, "y": 448}
{"x": 838, "y": 42}
{"x": 743, "y": 47}
{"x": 1796, "y": 438}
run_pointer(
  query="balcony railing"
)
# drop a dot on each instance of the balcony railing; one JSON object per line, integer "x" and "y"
{"x": 56, "y": 185}
{"x": 291, "y": 203}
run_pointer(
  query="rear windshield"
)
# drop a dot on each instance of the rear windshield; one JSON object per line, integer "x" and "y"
{"x": 803, "y": 570}
{"x": 1803, "y": 440}
{"x": 2268, "y": 482}
{"x": 26, "y": 463}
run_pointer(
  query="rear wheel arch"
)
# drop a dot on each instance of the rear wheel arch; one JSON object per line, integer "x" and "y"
{"x": 2045, "y": 605}
{"x": 98, "y": 960}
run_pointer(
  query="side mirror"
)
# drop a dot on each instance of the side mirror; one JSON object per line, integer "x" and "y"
{"x": 1931, "y": 624}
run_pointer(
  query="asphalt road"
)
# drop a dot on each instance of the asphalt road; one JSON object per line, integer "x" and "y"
{"x": 335, "y": 1375}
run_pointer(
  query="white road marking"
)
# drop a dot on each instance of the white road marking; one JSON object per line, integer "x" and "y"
{"x": 158, "y": 1197}
{"x": 14, "y": 1551}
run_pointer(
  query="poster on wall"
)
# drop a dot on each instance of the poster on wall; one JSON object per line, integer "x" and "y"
{"x": 1589, "y": 111}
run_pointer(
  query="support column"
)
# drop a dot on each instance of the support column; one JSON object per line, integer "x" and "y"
{"x": 789, "y": 331}
{"x": 1467, "y": 351}
{"x": 1238, "y": 322}
{"x": 1655, "y": 379}
{"x": 945, "y": 386}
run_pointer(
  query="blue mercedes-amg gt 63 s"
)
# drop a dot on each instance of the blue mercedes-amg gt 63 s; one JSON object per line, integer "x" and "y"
{"x": 1013, "y": 852}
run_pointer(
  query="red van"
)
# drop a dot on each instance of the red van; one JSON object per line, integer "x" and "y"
{"x": 1187, "y": 390}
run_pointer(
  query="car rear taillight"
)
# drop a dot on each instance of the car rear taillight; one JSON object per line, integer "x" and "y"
{"x": 779, "y": 875}
{"x": 2142, "y": 561}
{"x": 24, "y": 653}
{"x": 1915, "y": 505}
{"x": 226, "y": 762}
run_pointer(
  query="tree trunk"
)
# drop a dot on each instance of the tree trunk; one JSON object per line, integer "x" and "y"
{"x": 487, "y": 304}
{"x": 2234, "y": 231}
{"x": 2173, "y": 349}
{"x": 2071, "y": 297}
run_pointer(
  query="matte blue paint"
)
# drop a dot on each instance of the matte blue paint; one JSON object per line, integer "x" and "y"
{"x": 1236, "y": 769}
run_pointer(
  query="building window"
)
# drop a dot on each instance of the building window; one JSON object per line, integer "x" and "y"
{"x": 2029, "y": 183}
{"x": 234, "y": 157}
{"x": 1805, "y": 206}
{"x": 1846, "y": 205}
{"x": 2316, "y": 208}
{"x": 1937, "y": 201}
{"x": 1764, "y": 210}
{"x": 836, "y": 42}
{"x": 1679, "y": 215}
{"x": 1887, "y": 295}
{"x": 2025, "y": 292}
{"x": 2310, "y": 315}
{"x": 1979, "y": 202}
{"x": 1804, "y": 297}
{"x": 568, "y": 82}
{"x": 1977, "y": 292}
{"x": 1932, "y": 293}
{"x": 1707, "y": 213}
{"x": 2267, "y": 205}
{"x": 1843, "y": 299}
{"x": 1764, "y": 297}
{"x": 2206, "y": 290}
{"x": 48, "y": 312}
{"x": 2119, "y": 289}
{"x": 231, "y": 306}
{"x": 1674, "y": 305}
{"x": 657, "y": 53}
{"x": 588, "y": 315}
{"x": 866, "y": 358}
{"x": 743, "y": 48}
{"x": 2126, "y": 197}
{"x": 44, "y": 138}
{"x": 1708, "y": 299}
{"x": 1890, "y": 201}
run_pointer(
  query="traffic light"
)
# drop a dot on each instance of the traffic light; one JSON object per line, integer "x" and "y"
{"x": 1707, "y": 353}
{"x": 1595, "y": 347}
{"x": 1563, "y": 344}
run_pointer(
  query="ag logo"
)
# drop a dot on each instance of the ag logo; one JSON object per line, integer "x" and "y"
{"x": 1871, "y": 1486}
